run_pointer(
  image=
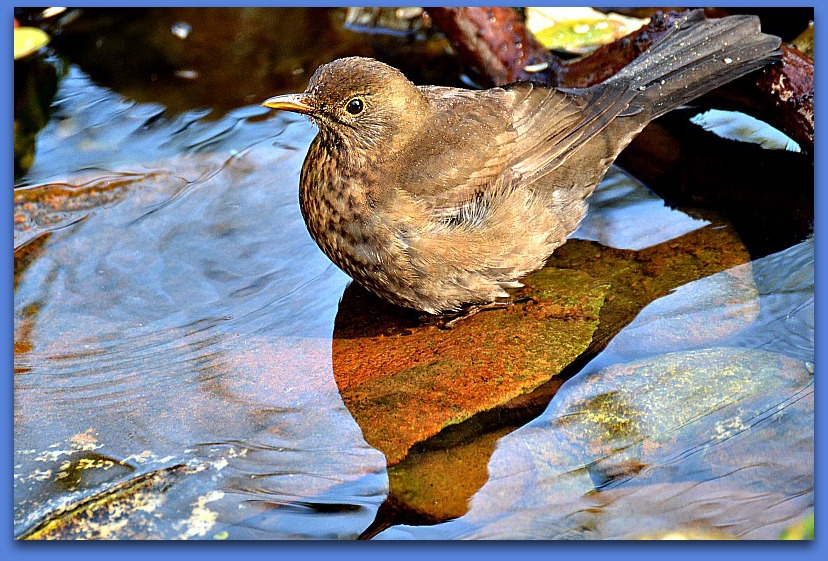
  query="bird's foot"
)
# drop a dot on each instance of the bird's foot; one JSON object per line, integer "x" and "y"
{"x": 477, "y": 308}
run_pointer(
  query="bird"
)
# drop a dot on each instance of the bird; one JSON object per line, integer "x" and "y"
{"x": 441, "y": 199}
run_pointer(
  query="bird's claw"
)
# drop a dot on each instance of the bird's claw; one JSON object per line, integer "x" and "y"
{"x": 477, "y": 308}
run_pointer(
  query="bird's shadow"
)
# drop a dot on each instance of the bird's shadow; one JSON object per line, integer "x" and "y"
{"x": 363, "y": 314}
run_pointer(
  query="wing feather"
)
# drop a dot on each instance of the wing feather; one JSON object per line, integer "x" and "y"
{"x": 522, "y": 133}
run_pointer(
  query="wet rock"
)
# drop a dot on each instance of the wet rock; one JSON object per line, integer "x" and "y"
{"x": 123, "y": 511}
{"x": 405, "y": 379}
{"x": 639, "y": 277}
{"x": 636, "y": 449}
{"x": 704, "y": 312}
{"x": 435, "y": 485}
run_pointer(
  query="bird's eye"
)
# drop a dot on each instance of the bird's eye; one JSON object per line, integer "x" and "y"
{"x": 355, "y": 106}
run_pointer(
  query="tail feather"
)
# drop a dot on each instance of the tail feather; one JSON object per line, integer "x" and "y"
{"x": 695, "y": 57}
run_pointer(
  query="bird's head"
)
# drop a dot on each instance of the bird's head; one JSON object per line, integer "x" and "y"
{"x": 360, "y": 100}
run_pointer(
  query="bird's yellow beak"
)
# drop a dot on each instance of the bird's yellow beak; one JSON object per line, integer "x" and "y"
{"x": 298, "y": 103}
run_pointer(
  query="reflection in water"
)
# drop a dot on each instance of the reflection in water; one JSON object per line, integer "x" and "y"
{"x": 714, "y": 439}
{"x": 167, "y": 320}
{"x": 224, "y": 58}
{"x": 625, "y": 215}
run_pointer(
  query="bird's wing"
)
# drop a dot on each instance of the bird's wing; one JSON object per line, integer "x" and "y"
{"x": 551, "y": 124}
{"x": 461, "y": 152}
{"x": 480, "y": 142}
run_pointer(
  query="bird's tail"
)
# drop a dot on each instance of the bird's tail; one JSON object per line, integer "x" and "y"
{"x": 696, "y": 56}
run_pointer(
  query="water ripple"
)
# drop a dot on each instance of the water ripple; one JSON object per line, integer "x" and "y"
{"x": 175, "y": 305}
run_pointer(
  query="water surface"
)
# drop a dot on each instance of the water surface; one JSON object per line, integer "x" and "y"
{"x": 173, "y": 328}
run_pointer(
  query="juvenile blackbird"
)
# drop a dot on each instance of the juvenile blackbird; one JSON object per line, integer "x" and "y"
{"x": 435, "y": 197}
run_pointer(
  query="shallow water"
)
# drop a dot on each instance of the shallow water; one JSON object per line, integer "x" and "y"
{"x": 173, "y": 318}
{"x": 173, "y": 327}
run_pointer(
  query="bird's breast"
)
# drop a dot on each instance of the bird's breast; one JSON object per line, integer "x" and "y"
{"x": 336, "y": 199}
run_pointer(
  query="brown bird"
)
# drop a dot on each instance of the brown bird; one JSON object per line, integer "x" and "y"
{"x": 435, "y": 198}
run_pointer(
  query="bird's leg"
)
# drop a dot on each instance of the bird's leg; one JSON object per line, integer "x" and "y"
{"x": 473, "y": 310}
{"x": 477, "y": 308}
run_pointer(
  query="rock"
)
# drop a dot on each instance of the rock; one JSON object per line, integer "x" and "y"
{"x": 719, "y": 438}
{"x": 435, "y": 485}
{"x": 405, "y": 380}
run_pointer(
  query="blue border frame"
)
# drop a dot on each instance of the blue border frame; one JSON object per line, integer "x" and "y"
{"x": 639, "y": 551}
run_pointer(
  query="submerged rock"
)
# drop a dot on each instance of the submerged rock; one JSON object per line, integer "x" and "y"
{"x": 715, "y": 439}
{"x": 405, "y": 379}
{"x": 700, "y": 313}
{"x": 435, "y": 485}
{"x": 724, "y": 304}
{"x": 127, "y": 510}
